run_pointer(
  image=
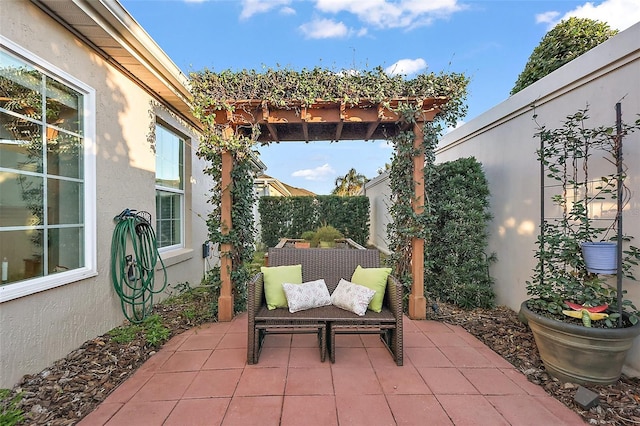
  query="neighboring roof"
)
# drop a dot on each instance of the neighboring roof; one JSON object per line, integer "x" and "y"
{"x": 283, "y": 187}
{"x": 107, "y": 27}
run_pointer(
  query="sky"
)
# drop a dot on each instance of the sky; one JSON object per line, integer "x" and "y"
{"x": 489, "y": 41}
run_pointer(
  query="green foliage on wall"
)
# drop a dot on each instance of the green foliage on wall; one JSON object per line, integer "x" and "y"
{"x": 290, "y": 217}
{"x": 457, "y": 257}
{"x": 565, "y": 42}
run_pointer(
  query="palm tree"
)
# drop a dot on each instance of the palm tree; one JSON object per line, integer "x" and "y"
{"x": 349, "y": 184}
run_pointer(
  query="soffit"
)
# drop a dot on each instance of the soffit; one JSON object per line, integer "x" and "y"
{"x": 113, "y": 33}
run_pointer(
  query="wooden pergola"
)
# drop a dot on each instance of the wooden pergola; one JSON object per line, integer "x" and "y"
{"x": 325, "y": 121}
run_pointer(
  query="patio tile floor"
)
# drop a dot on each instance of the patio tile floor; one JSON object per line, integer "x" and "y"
{"x": 449, "y": 378}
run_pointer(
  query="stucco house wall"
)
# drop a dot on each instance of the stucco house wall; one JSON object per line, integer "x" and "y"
{"x": 502, "y": 139}
{"x": 37, "y": 329}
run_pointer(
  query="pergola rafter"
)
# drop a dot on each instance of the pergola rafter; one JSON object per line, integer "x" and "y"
{"x": 324, "y": 121}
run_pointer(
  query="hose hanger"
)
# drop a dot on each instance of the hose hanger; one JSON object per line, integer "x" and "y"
{"x": 134, "y": 258}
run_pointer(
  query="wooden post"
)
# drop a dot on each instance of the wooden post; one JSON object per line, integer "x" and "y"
{"x": 225, "y": 300}
{"x": 417, "y": 301}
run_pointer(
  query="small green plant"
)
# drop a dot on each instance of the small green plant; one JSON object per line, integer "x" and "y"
{"x": 155, "y": 332}
{"x": 308, "y": 235}
{"x": 125, "y": 334}
{"x": 10, "y": 414}
{"x": 326, "y": 234}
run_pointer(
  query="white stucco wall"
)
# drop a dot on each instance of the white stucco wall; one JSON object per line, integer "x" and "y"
{"x": 377, "y": 189}
{"x": 502, "y": 139}
{"x": 38, "y": 329}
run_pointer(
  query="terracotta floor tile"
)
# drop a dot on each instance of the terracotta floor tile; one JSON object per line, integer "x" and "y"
{"x": 155, "y": 361}
{"x": 402, "y": 380}
{"x": 307, "y": 357}
{"x": 447, "y": 339}
{"x": 309, "y": 381}
{"x": 155, "y": 413}
{"x": 214, "y": 383}
{"x": 521, "y": 380}
{"x": 164, "y": 387}
{"x": 523, "y": 410}
{"x": 317, "y": 410}
{"x": 175, "y": 342}
{"x": 226, "y": 358}
{"x": 409, "y": 326}
{"x": 355, "y": 410}
{"x": 186, "y": 361}
{"x": 468, "y": 337}
{"x": 564, "y": 414}
{"x": 432, "y": 327}
{"x": 198, "y": 412}
{"x": 299, "y": 340}
{"x": 446, "y": 381}
{"x": 470, "y": 410}
{"x": 355, "y": 381}
{"x": 277, "y": 341}
{"x": 416, "y": 340}
{"x": 494, "y": 358}
{"x": 129, "y": 387}
{"x": 212, "y": 328}
{"x": 381, "y": 357}
{"x": 255, "y": 410}
{"x": 233, "y": 341}
{"x": 426, "y": 357}
{"x": 372, "y": 341}
{"x": 465, "y": 356}
{"x": 101, "y": 414}
{"x": 352, "y": 357}
{"x": 348, "y": 341}
{"x": 273, "y": 357}
{"x": 409, "y": 410}
{"x": 491, "y": 381}
{"x": 201, "y": 341}
{"x": 262, "y": 382}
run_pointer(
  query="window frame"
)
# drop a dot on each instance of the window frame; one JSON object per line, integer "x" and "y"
{"x": 35, "y": 285}
{"x": 182, "y": 192}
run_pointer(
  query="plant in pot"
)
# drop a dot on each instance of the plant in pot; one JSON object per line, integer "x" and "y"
{"x": 582, "y": 324}
{"x": 326, "y": 236}
{"x": 307, "y": 237}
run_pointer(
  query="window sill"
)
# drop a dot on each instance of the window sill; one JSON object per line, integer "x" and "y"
{"x": 173, "y": 257}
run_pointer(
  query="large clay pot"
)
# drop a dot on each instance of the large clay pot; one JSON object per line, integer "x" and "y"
{"x": 578, "y": 354}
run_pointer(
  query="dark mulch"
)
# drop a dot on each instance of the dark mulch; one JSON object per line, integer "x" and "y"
{"x": 74, "y": 386}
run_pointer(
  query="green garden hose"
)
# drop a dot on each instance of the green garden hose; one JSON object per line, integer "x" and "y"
{"x": 133, "y": 274}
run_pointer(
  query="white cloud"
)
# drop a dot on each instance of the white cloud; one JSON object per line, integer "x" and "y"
{"x": 287, "y": 11}
{"x": 619, "y": 14}
{"x": 386, "y": 145}
{"x": 406, "y": 67}
{"x": 253, "y": 7}
{"x": 319, "y": 173}
{"x": 547, "y": 17}
{"x": 392, "y": 13}
{"x": 324, "y": 28}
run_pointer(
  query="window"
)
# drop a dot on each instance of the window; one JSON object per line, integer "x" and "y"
{"x": 45, "y": 238}
{"x": 169, "y": 188}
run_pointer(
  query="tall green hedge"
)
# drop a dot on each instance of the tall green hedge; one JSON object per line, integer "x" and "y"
{"x": 289, "y": 217}
{"x": 458, "y": 258}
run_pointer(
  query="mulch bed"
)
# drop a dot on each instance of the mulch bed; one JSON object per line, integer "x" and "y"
{"x": 72, "y": 387}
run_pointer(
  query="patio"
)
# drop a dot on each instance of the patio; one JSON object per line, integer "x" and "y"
{"x": 201, "y": 377}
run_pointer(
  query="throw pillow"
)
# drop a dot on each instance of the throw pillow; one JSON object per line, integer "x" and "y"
{"x": 274, "y": 277}
{"x": 352, "y": 297}
{"x": 311, "y": 294}
{"x": 375, "y": 279}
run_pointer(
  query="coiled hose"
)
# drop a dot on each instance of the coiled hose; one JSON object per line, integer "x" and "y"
{"x": 133, "y": 274}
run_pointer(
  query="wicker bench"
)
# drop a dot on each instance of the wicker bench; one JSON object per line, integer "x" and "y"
{"x": 327, "y": 321}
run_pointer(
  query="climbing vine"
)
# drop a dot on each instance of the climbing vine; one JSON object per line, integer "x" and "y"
{"x": 216, "y": 93}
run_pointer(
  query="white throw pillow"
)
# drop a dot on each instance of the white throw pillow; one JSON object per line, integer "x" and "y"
{"x": 352, "y": 297}
{"x": 311, "y": 294}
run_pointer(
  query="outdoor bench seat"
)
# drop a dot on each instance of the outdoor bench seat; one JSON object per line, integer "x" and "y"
{"x": 327, "y": 321}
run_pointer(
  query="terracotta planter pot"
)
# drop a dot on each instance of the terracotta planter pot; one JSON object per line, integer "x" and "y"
{"x": 578, "y": 354}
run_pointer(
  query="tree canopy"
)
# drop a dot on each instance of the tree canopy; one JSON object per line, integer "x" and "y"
{"x": 349, "y": 184}
{"x": 562, "y": 44}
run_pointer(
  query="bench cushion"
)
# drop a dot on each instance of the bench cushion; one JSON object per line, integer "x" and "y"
{"x": 274, "y": 277}
{"x": 312, "y": 294}
{"x": 375, "y": 279}
{"x": 352, "y": 297}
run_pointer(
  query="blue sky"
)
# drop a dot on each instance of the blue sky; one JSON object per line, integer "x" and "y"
{"x": 489, "y": 41}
